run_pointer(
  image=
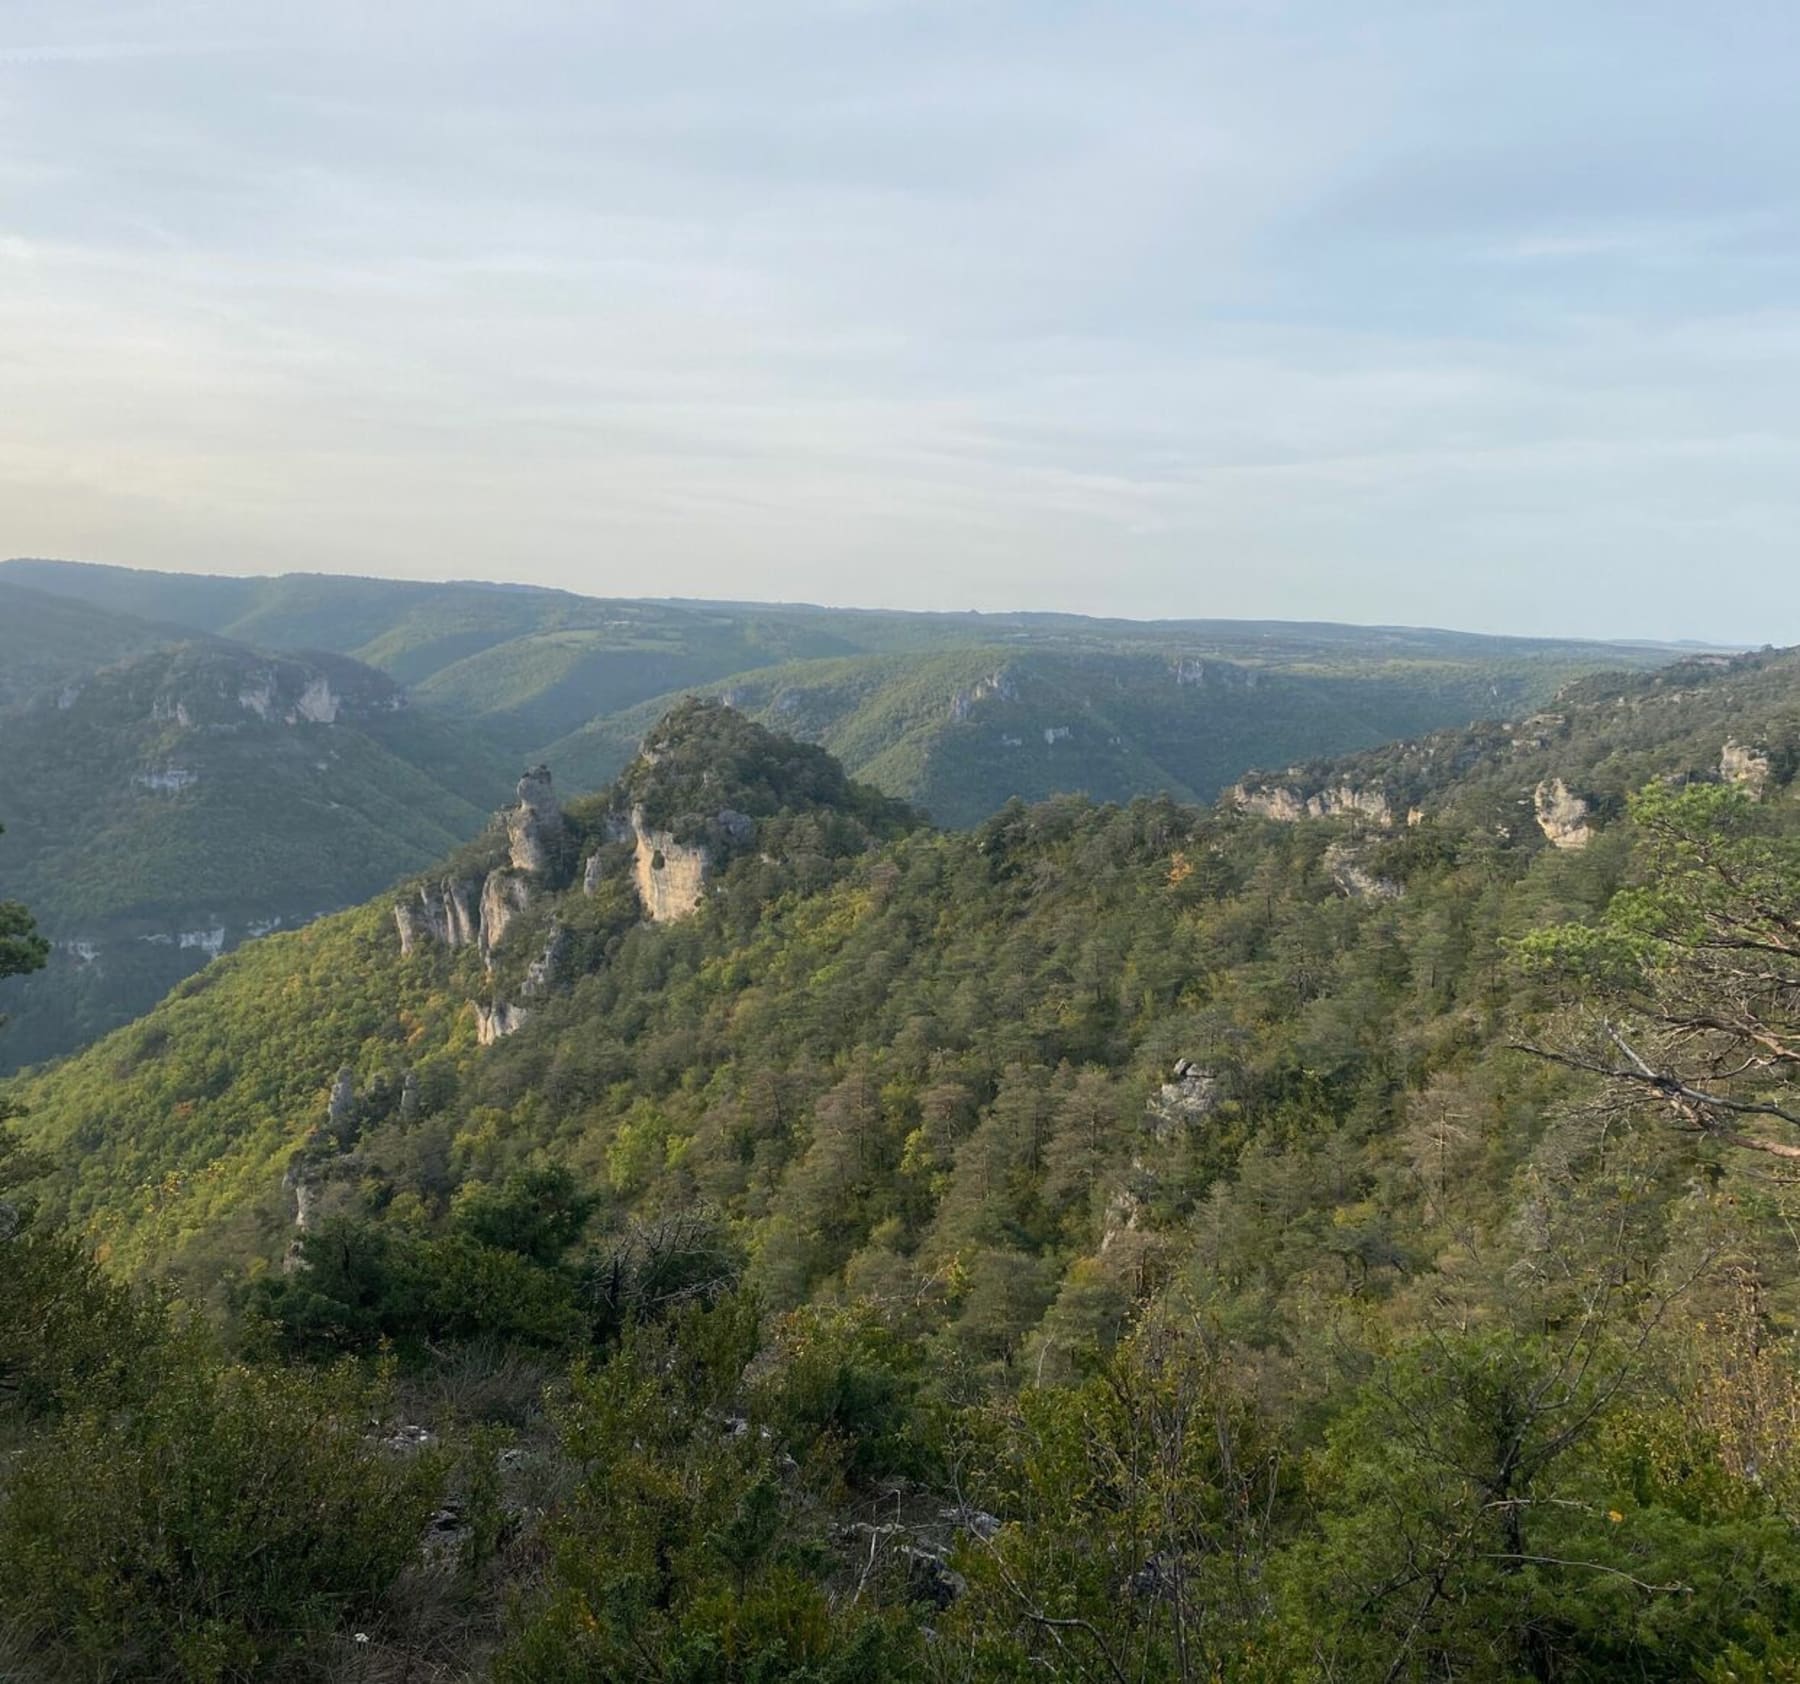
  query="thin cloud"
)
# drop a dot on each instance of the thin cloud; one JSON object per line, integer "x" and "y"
{"x": 1174, "y": 310}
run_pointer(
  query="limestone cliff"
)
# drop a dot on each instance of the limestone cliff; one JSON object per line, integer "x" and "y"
{"x": 1286, "y": 804}
{"x": 996, "y": 685}
{"x": 444, "y": 912}
{"x": 540, "y": 974}
{"x": 504, "y": 895}
{"x": 1562, "y": 815}
{"x": 1188, "y": 1098}
{"x": 670, "y": 875}
{"x": 1748, "y": 767}
{"x": 535, "y": 824}
{"x": 1345, "y": 865}
{"x": 460, "y": 912}
{"x": 492, "y": 1023}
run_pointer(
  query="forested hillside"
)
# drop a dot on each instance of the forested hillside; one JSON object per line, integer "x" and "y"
{"x": 960, "y": 732}
{"x": 49, "y": 641}
{"x": 151, "y": 835}
{"x": 954, "y": 712}
{"x": 165, "y": 808}
{"x": 1337, "y": 1234}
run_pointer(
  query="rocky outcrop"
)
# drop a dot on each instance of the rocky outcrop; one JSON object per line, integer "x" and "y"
{"x": 1562, "y": 815}
{"x": 1188, "y": 1098}
{"x": 1535, "y": 733}
{"x": 168, "y": 780}
{"x": 495, "y": 1022}
{"x": 454, "y": 913}
{"x": 289, "y": 693}
{"x": 340, "y": 1109}
{"x": 670, "y": 875}
{"x": 540, "y": 974}
{"x": 317, "y": 704}
{"x": 1281, "y": 804}
{"x": 1344, "y": 864}
{"x": 300, "y": 1181}
{"x": 460, "y": 924}
{"x": 443, "y": 912}
{"x": 503, "y": 897}
{"x": 534, "y": 826}
{"x": 1287, "y": 805}
{"x": 996, "y": 684}
{"x": 590, "y": 875}
{"x": 413, "y": 924}
{"x": 1747, "y": 767}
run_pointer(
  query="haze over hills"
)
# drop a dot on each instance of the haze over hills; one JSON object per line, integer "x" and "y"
{"x": 958, "y": 712}
{"x": 47, "y": 640}
{"x": 214, "y": 830}
{"x": 164, "y": 808}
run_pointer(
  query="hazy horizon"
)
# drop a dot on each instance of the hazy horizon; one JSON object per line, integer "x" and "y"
{"x": 850, "y": 606}
{"x": 1478, "y": 318}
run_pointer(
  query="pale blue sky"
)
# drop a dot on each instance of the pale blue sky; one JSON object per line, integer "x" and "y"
{"x": 1483, "y": 315}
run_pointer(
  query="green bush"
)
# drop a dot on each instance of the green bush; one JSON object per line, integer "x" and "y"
{"x": 222, "y": 1524}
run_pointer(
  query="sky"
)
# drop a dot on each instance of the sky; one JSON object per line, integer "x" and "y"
{"x": 1479, "y": 315}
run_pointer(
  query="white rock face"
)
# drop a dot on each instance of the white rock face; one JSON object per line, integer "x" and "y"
{"x": 1188, "y": 1098}
{"x": 210, "y": 942}
{"x": 1344, "y": 800}
{"x": 318, "y": 703}
{"x": 503, "y": 898}
{"x": 1562, "y": 815}
{"x": 670, "y": 875}
{"x": 590, "y": 875}
{"x": 1282, "y": 805}
{"x": 301, "y": 1179}
{"x": 1354, "y": 878}
{"x": 495, "y": 1022}
{"x": 995, "y": 684}
{"x": 441, "y": 912}
{"x": 1747, "y": 767}
{"x": 533, "y": 825}
{"x": 540, "y": 974}
{"x": 1055, "y": 734}
{"x": 170, "y": 780}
